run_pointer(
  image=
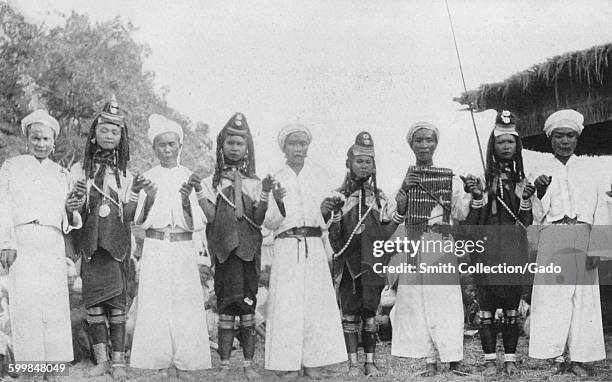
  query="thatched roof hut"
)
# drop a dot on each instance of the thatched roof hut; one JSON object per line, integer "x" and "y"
{"x": 579, "y": 80}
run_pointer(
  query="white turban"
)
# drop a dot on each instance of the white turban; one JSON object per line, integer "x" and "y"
{"x": 42, "y": 117}
{"x": 158, "y": 124}
{"x": 290, "y": 129}
{"x": 564, "y": 118}
{"x": 421, "y": 125}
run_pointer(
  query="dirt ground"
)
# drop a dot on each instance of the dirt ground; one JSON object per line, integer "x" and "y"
{"x": 394, "y": 369}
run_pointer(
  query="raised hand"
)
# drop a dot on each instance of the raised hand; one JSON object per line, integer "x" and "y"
{"x": 472, "y": 185}
{"x": 7, "y": 257}
{"x": 149, "y": 188}
{"x": 402, "y": 202}
{"x": 80, "y": 188}
{"x": 327, "y": 206}
{"x": 279, "y": 192}
{"x": 267, "y": 183}
{"x": 528, "y": 191}
{"x": 541, "y": 184}
{"x": 338, "y": 203}
{"x": 195, "y": 181}
{"x": 138, "y": 183}
{"x": 185, "y": 191}
{"x": 73, "y": 203}
{"x": 411, "y": 180}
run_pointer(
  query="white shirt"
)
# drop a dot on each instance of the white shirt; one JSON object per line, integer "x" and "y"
{"x": 305, "y": 192}
{"x": 572, "y": 191}
{"x": 31, "y": 190}
{"x": 167, "y": 209}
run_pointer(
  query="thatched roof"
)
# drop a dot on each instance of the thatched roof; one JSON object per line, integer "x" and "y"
{"x": 579, "y": 80}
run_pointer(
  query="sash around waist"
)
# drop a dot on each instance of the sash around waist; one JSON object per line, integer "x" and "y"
{"x": 168, "y": 236}
{"x": 568, "y": 221}
{"x": 298, "y": 232}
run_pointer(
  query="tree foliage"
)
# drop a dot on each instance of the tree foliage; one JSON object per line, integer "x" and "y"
{"x": 72, "y": 70}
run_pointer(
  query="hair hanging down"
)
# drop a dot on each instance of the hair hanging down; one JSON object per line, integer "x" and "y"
{"x": 518, "y": 173}
{"x": 121, "y": 153}
{"x": 237, "y": 125}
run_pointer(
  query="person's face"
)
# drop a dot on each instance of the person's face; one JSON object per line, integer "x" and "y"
{"x": 41, "y": 140}
{"x": 234, "y": 147}
{"x": 563, "y": 141}
{"x": 296, "y": 148}
{"x": 167, "y": 147}
{"x": 505, "y": 147}
{"x": 362, "y": 166}
{"x": 424, "y": 143}
{"x": 108, "y": 136}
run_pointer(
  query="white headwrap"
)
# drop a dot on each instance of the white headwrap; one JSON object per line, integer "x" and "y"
{"x": 421, "y": 125}
{"x": 42, "y": 117}
{"x": 158, "y": 124}
{"x": 564, "y": 118}
{"x": 290, "y": 129}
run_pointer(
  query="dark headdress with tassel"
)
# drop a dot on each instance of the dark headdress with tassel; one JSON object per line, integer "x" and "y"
{"x": 364, "y": 145}
{"x": 117, "y": 158}
{"x": 237, "y": 125}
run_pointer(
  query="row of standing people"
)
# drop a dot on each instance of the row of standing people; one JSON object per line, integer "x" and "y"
{"x": 305, "y": 327}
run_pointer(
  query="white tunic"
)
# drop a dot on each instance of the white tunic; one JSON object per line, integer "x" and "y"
{"x": 33, "y": 191}
{"x": 429, "y": 317}
{"x": 304, "y": 326}
{"x": 567, "y": 314}
{"x": 170, "y": 320}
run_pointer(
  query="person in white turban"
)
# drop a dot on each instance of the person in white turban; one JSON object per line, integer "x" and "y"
{"x": 428, "y": 312}
{"x": 568, "y": 118}
{"x": 420, "y": 126}
{"x": 566, "y": 310}
{"x": 303, "y": 329}
{"x": 290, "y": 129}
{"x": 158, "y": 124}
{"x": 35, "y": 215}
{"x": 40, "y": 117}
{"x": 171, "y": 331}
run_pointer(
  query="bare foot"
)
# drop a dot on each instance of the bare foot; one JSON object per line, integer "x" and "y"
{"x": 250, "y": 374}
{"x": 291, "y": 375}
{"x": 510, "y": 369}
{"x": 490, "y": 369}
{"x": 119, "y": 373}
{"x": 313, "y": 373}
{"x": 354, "y": 372}
{"x": 558, "y": 368}
{"x": 371, "y": 370}
{"x": 580, "y": 369}
{"x": 223, "y": 373}
{"x": 101, "y": 368}
{"x": 458, "y": 368}
{"x": 431, "y": 369}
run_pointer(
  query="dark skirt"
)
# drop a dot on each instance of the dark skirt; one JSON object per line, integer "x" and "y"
{"x": 104, "y": 280}
{"x": 236, "y": 284}
{"x": 506, "y": 297}
{"x": 358, "y": 298}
